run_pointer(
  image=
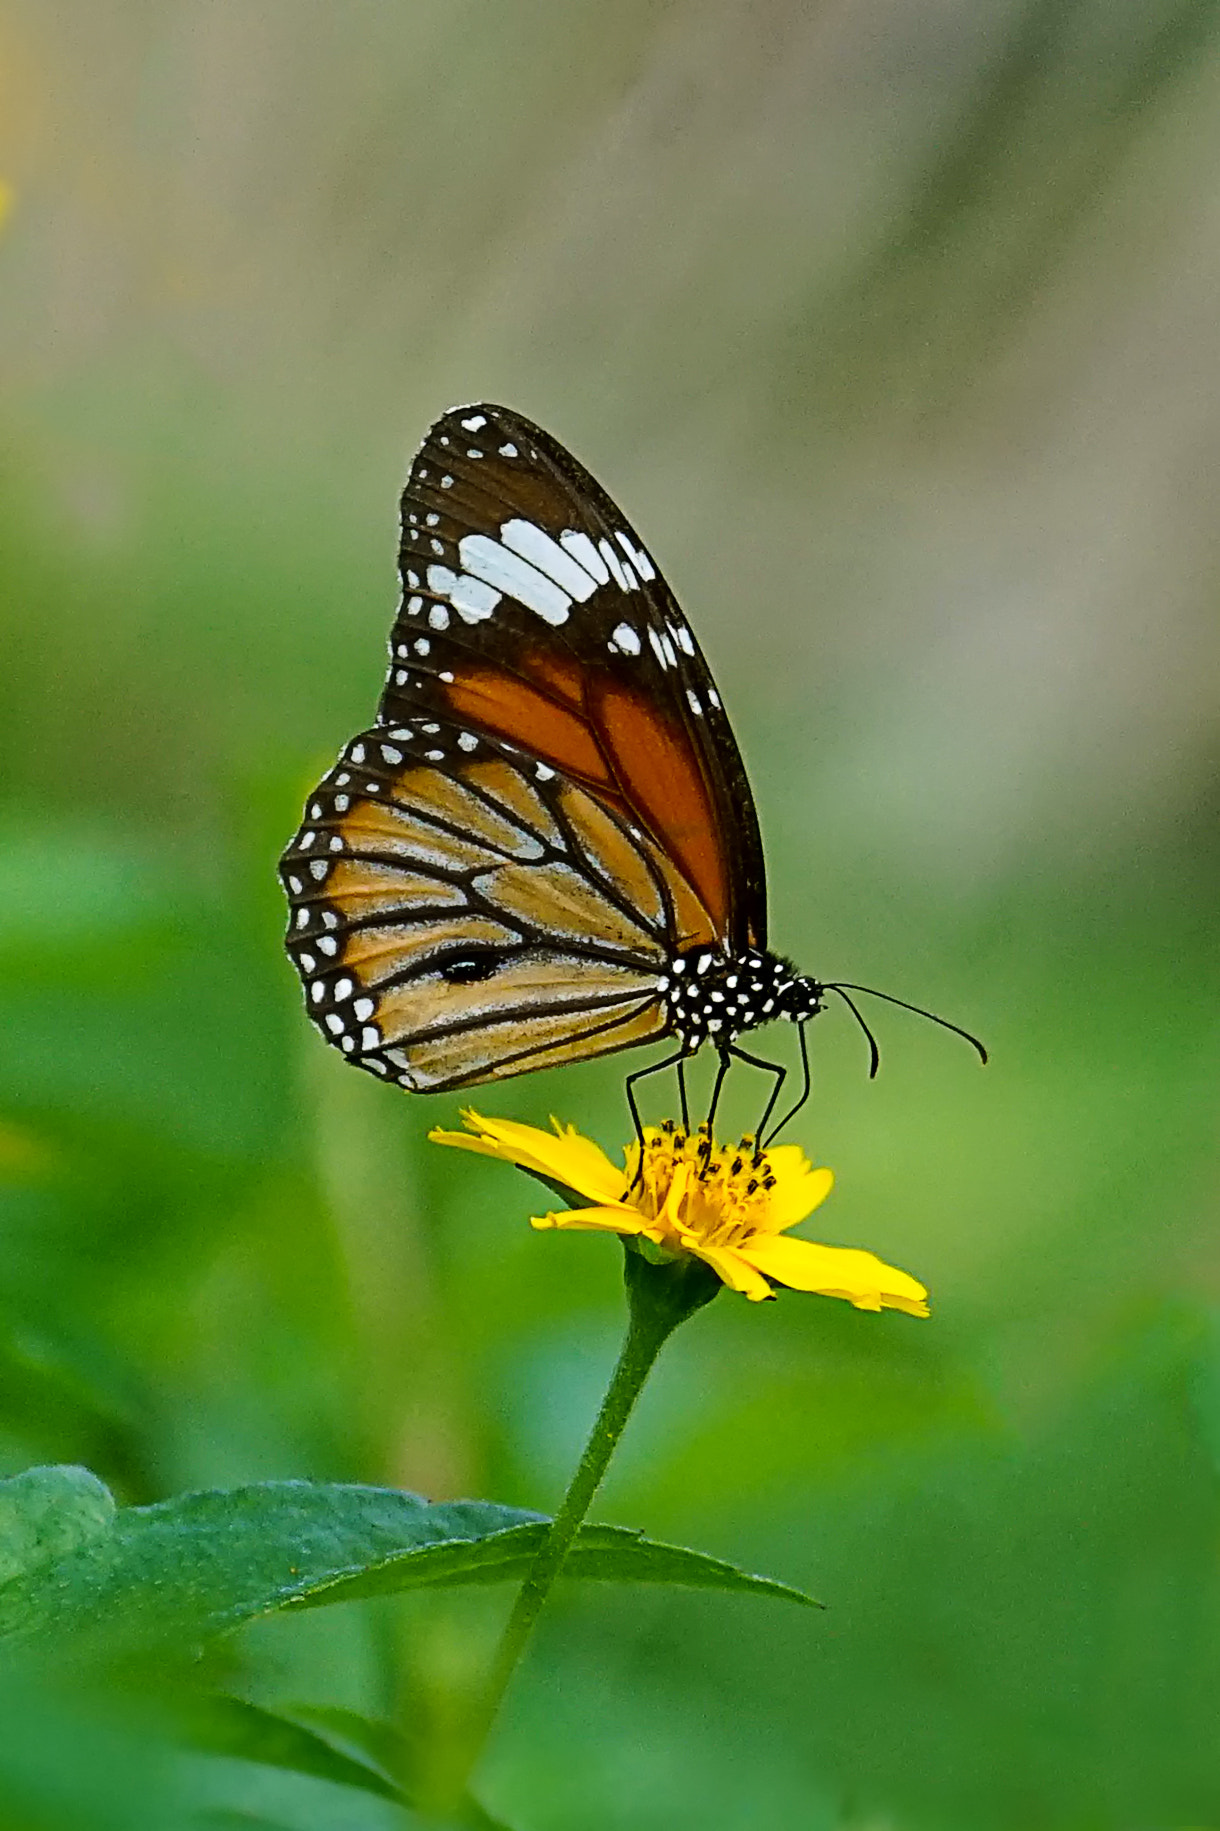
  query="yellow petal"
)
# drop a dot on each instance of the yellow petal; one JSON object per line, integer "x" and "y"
{"x": 614, "y": 1218}
{"x": 565, "y": 1157}
{"x": 669, "y": 1220}
{"x": 836, "y": 1271}
{"x": 482, "y": 1147}
{"x": 732, "y": 1269}
{"x": 799, "y": 1188}
{"x": 589, "y": 1168}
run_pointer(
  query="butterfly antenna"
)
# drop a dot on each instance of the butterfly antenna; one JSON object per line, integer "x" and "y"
{"x": 845, "y": 986}
{"x": 857, "y": 1013}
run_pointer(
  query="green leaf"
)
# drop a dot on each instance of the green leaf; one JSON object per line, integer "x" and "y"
{"x": 218, "y": 1725}
{"x": 326, "y": 1743}
{"x": 622, "y": 1553}
{"x": 191, "y": 1568}
{"x": 46, "y": 1514}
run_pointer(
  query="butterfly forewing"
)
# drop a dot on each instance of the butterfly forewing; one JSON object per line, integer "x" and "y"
{"x": 532, "y": 613}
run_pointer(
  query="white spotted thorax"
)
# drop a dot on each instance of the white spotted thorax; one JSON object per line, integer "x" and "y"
{"x": 715, "y": 997}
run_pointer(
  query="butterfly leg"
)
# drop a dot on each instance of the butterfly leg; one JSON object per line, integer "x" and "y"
{"x": 642, "y": 1074}
{"x": 685, "y": 1104}
{"x": 806, "y": 1085}
{"x": 781, "y": 1075}
{"x": 725, "y": 1055}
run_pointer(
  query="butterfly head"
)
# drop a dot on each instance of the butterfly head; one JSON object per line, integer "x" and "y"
{"x": 800, "y": 997}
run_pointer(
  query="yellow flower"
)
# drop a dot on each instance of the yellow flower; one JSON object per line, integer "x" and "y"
{"x": 692, "y": 1195}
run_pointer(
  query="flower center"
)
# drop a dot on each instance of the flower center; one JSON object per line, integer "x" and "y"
{"x": 725, "y": 1187}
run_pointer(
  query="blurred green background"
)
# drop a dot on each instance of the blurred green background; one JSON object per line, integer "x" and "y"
{"x": 892, "y": 324}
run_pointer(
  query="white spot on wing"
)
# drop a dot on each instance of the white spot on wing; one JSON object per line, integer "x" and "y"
{"x": 614, "y": 563}
{"x": 585, "y": 554}
{"x": 467, "y": 740}
{"x": 508, "y": 451}
{"x": 509, "y": 573}
{"x": 438, "y": 617}
{"x": 682, "y": 637}
{"x": 692, "y": 700}
{"x": 533, "y": 544}
{"x": 474, "y": 424}
{"x": 472, "y": 599}
{"x": 638, "y": 557}
{"x": 625, "y": 640}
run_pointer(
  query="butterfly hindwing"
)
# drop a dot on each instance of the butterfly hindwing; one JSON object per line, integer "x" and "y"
{"x": 532, "y": 613}
{"x": 461, "y": 912}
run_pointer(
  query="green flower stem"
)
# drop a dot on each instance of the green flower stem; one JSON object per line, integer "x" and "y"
{"x": 659, "y": 1297}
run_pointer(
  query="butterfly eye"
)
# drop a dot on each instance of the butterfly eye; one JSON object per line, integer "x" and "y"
{"x": 473, "y": 964}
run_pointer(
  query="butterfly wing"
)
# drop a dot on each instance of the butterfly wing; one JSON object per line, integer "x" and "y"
{"x": 532, "y": 612}
{"x": 461, "y": 913}
{"x": 495, "y": 878}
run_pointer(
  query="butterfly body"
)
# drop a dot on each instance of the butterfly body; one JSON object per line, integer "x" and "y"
{"x": 545, "y": 849}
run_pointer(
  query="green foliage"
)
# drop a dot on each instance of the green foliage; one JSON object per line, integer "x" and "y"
{"x": 87, "y": 1584}
{"x": 81, "y": 1571}
{"x": 893, "y": 328}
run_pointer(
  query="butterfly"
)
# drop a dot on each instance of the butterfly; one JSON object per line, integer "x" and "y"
{"x": 545, "y": 849}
